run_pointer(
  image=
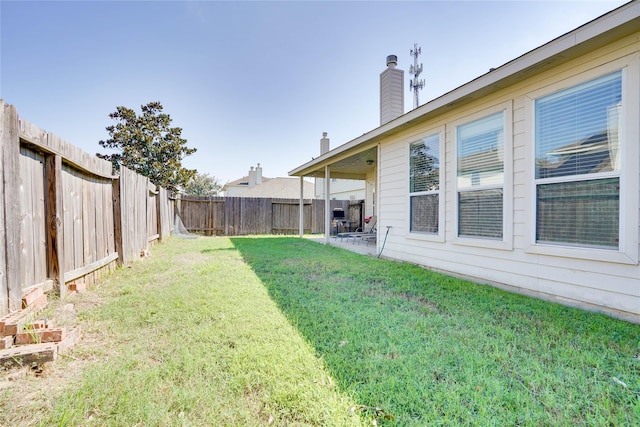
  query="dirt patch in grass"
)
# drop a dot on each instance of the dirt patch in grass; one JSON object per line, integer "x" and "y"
{"x": 26, "y": 392}
{"x": 426, "y": 305}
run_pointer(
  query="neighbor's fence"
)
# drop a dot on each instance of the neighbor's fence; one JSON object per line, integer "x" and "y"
{"x": 238, "y": 216}
{"x": 64, "y": 216}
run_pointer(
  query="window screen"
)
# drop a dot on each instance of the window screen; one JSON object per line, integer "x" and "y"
{"x": 480, "y": 177}
{"x": 578, "y": 152}
{"x": 577, "y": 129}
{"x": 579, "y": 213}
{"x": 425, "y": 213}
{"x": 480, "y": 213}
{"x": 424, "y": 184}
{"x": 424, "y": 168}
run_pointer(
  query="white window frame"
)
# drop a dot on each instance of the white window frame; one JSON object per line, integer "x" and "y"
{"x": 506, "y": 243}
{"x": 627, "y": 252}
{"x": 417, "y": 235}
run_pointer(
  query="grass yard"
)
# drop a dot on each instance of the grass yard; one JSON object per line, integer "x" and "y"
{"x": 279, "y": 331}
{"x": 187, "y": 337}
{"x": 433, "y": 350}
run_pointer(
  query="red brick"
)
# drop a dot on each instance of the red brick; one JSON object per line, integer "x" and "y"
{"x": 37, "y": 305}
{"x": 40, "y": 335}
{"x": 42, "y": 323}
{"x": 31, "y": 296}
{"x": 6, "y": 342}
{"x": 15, "y": 323}
{"x": 77, "y": 287}
{"x": 3, "y": 320}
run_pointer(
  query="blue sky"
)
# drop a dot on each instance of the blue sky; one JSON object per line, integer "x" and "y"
{"x": 253, "y": 82}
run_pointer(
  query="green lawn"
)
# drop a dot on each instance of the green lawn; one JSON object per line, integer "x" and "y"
{"x": 433, "y": 350}
{"x": 193, "y": 339}
{"x": 283, "y": 331}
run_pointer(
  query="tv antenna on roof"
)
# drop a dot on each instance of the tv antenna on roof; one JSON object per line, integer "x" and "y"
{"x": 414, "y": 84}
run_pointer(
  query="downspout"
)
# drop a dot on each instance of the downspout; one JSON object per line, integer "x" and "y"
{"x": 301, "y": 227}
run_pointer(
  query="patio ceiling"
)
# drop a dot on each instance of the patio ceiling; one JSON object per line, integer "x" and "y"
{"x": 353, "y": 165}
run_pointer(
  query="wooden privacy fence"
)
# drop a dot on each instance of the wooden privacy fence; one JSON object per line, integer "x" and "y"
{"x": 64, "y": 216}
{"x": 237, "y": 216}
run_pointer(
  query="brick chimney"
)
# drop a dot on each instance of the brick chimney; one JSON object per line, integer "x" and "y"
{"x": 324, "y": 143}
{"x": 391, "y": 91}
{"x": 255, "y": 176}
{"x": 258, "y": 174}
{"x": 252, "y": 177}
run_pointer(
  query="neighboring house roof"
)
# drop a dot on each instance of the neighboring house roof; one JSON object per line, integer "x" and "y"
{"x": 591, "y": 155}
{"x": 488, "y": 160}
{"x": 243, "y": 181}
{"x": 349, "y": 157}
{"x": 281, "y": 188}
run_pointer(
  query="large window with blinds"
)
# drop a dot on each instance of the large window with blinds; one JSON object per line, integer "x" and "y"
{"x": 424, "y": 184}
{"x": 578, "y": 164}
{"x": 480, "y": 177}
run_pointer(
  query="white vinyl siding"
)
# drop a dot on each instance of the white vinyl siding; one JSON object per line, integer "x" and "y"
{"x": 520, "y": 262}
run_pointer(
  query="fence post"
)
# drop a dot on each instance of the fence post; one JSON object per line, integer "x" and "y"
{"x": 227, "y": 216}
{"x": 117, "y": 220}
{"x": 158, "y": 214}
{"x": 10, "y": 287}
{"x": 5, "y": 140}
{"x": 54, "y": 224}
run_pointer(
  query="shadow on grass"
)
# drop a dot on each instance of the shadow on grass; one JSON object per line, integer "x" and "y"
{"x": 427, "y": 348}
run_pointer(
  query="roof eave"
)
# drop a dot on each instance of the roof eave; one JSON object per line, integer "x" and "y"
{"x": 611, "y": 26}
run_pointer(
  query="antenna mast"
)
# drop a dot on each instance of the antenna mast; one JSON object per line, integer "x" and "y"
{"x": 414, "y": 84}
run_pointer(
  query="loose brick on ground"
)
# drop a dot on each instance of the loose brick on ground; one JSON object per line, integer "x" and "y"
{"x": 41, "y": 323}
{"x": 38, "y": 304}
{"x": 6, "y": 342}
{"x": 40, "y": 335}
{"x": 31, "y": 296}
{"x": 15, "y": 323}
{"x": 78, "y": 287}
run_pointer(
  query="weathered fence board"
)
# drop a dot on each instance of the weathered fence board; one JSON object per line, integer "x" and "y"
{"x": 133, "y": 201}
{"x": 152, "y": 215}
{"x": 237, "y": 216}
{"x": 63, "y": 215}
{"x": 165, "y": 213}
{"x": 53, "y": 221}
{"x": 32, "y": 230}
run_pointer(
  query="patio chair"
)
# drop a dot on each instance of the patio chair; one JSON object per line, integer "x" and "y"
{"x": 369, "y": 231}
{"x": 369, "y": 228}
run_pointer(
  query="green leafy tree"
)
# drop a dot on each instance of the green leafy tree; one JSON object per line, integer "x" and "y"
{"x": 203, "y": 185}
{"x": 148, "y": 145}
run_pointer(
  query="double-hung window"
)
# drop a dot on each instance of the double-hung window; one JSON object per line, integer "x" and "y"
{"x": 424, "y": 185}
{"x": 578, "y": 157}
{"x": 480, "y": 147}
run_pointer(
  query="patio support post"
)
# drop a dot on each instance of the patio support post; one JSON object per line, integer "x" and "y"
{"x": 377, "y": 196}
{"x": 327, "y": 205}
{"x": 301, "y": 227}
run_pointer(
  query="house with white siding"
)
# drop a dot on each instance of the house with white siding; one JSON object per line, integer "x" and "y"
{"x": 526, "y": 178}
